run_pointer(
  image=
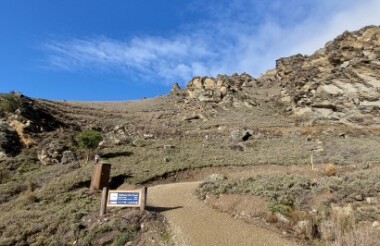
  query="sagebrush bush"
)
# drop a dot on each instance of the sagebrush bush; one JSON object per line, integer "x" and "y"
{"x": 283, "y": 192}
{"x": 9, "y": 102}
{"x": 365, "y": 183}
{"x": 276, "y": 207}
{"x": 330, "y": 169}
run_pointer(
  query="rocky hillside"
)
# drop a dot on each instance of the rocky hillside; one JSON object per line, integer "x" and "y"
{"x": 339, "y": 82}
{"x": 322, "y": 108}
{"x": 226, "y": 91}
{"x": 22, "y": 121}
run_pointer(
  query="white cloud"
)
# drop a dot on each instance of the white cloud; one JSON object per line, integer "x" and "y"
{"x": 236, "y": 36}
{"x": 169, "y": 58}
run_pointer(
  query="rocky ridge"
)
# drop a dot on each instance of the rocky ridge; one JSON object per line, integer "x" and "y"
{"x": 228, "y": 91}
{"x": 338, "y": 82}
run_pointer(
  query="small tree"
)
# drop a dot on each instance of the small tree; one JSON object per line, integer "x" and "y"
{"x": 89, "y": 139}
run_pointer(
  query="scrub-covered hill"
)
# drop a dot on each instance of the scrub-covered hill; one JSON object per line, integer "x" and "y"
{"x": 315, "y": 109}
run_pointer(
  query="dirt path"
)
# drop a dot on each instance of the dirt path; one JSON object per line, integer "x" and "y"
{"x": 195, "y": 224}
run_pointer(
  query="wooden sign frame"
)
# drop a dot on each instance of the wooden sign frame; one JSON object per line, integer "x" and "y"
{"x": 112, "y": 193}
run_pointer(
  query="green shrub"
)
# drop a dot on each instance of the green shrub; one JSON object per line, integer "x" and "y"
{"x": 89, "y": 139}
{"x": 165, "y": 237}
{"x": 283, "y": 192}
{"x": 277, "y": 207}
{"x": 9, "y": 102}
{"x": 350, "y": 185}
{"x": 121, "y": 240}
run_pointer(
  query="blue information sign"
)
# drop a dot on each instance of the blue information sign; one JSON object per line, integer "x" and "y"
{"x": 124, "y": 198}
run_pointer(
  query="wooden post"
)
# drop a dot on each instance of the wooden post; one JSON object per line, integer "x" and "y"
{"x": 100, "y": 176}
{"x": 103, "y": 203}
{"x": 144, "y": 193}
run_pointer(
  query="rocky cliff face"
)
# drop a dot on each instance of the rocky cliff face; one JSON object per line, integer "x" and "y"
{"x": 223, "y": 90}
{"x": 338, "y": 82}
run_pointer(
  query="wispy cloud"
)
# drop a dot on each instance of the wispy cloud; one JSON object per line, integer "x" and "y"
{"x": 236, "y": 36}
{"x": 171, "y": 58}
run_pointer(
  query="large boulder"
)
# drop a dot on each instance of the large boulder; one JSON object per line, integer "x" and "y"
{"x": 119, "y": 135}
{"x": 223, "y": 89}
{"x": 215, "y": 177}
{"x": 52, "y": 152}
{"x": 68, "y": 157}
{"x": 304, "y": 229}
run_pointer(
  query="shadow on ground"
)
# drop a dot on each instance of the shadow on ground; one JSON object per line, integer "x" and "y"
{"x": 116, "y": 154}
{"x": 79, "y": 185}
{"x": 161, "y": 209}
{"x": 118, "y": 180}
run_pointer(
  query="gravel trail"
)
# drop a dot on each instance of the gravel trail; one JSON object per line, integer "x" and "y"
{"x": 195, "y": 224}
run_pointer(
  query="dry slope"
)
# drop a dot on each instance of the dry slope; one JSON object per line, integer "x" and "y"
{"x": 193, "y": 223}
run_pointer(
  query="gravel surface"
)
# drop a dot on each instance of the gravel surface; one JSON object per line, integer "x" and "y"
{"x": 195, "y": 224}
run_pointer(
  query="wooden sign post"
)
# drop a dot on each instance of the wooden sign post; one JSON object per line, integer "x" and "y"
{"x": 144, "y": 193}
{"x": 100, "y": 176}
{"x": 103, "y": 203}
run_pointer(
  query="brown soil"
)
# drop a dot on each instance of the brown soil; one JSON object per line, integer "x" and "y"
{"x": 193, "y": 223}
{"x": 177, "y": 202}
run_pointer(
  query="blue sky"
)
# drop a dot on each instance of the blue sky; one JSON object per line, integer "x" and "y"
{"x": 129, "y": 49}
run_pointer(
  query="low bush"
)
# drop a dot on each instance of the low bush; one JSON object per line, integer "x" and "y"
{"x": 295, "y": 196}
{"x": 9, "y": 102}
{"x": 283, "y": 192}
{"x": 365, "y": 183}
{"x": 330, "y": 169}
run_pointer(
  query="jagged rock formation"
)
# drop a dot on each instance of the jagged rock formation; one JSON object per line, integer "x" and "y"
{"x": 338, "y": 82}
{"x": 175, "y": 89}
{"x": 226, "y": 90}
{"x": 56, "y": 152}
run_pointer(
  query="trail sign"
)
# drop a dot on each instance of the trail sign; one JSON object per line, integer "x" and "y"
{"x": 126, "y": 198}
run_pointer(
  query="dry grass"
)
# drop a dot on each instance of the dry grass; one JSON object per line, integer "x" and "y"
{"x": 52, "y": 205}
{"x": 346, "y": 231}
{"x": 296, "y": 196}
{"x": 330, "y": 170}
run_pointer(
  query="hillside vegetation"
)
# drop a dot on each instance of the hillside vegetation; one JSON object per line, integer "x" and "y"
{"x": 307, "y": 112}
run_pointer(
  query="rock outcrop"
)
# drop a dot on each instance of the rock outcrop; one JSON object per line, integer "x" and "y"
{"x": 10, "y": 144}
{"x": 52, "y": 153}
{"x": 68, "y": 157}
{"x": 23, "y": 119}
{"x": 20, "y": 128}
{"x": 119, "y": 135}
{"x": 338, "y": 82}
{"x": 226, "y": 90}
